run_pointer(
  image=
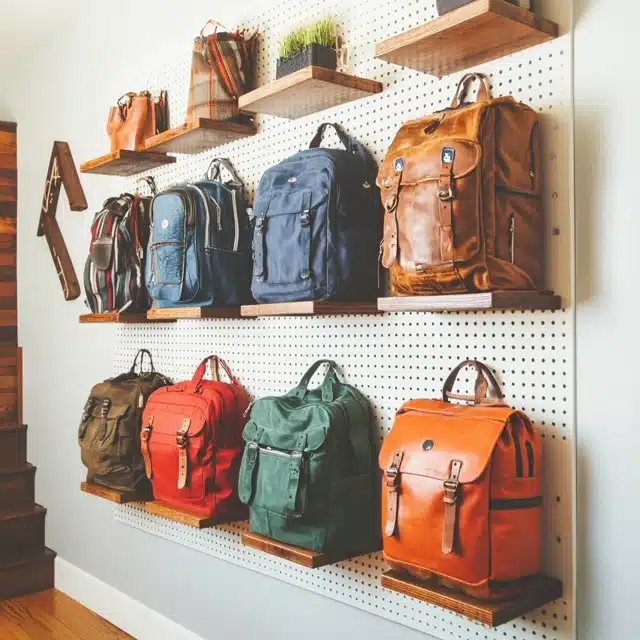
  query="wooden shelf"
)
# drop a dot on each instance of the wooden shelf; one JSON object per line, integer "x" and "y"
{"x": 199, "y": 135}
{"x": 308, "y": 308}
{"x": 535, "y": 592}
{"x": 179, "y": 515}
{"x": 113, "y": 317}
{"x": 514, "y": 300}
{"x": 193, "y": 313}
{"x": 306, "y": 91}
{"x": 475, "y": 33}
{"x": 305, "y": 557}
{"x": 119, "y": 497}
{"x": 126, "y": 163}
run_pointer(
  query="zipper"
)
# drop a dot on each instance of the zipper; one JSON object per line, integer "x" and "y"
{"x": 512, "y": 504}
{"x": 278, "y": 452}
{"x": 532, "y": 157}
{"x": 512, "y": 237}
{"x": 207, "y": 218}
{"x": 501, "y": 188}
{"x": 519, "y": 472}
{"x": 530, "y": 458}
{"x": 236, "y": 223}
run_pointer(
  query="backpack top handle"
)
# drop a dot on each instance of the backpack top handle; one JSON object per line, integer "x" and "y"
{"x": 484, "y": 380}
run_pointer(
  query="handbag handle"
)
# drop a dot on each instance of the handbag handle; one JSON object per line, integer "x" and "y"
{"x": 141, "y": 354}
{"x": 216, "y": 362}
{"x": 484, "y": 380}
{"x": 150, "y": 182}
{"x": 346, "y": 140}
{"x": 463, "y": 87}
{"x": 214, "y": 23}
{"x": 330, "y": 378}
{"x": 215, "y": 170}
{"x": 349, "y": 142}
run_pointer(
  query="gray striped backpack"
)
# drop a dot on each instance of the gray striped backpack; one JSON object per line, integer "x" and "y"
{"x": 114, "y": 271}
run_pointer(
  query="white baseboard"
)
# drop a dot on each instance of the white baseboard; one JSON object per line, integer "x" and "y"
{"x": 118, "y": 608}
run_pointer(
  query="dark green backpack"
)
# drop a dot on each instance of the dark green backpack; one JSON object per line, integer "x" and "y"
{"x": 109, "y": 432}
{"x": 309, "y": 468}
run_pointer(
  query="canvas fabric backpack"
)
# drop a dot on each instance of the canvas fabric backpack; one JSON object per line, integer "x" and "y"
{"x": 317, "y": 225}
{"x": 462, "y": 491}
{"x": 199, "y": 249}
{"x": 114, "y": 270}
{"x": 192, "y": 444}
{"x": 308, "y": 469}
{"x": 462, "y": 192}
{"x": 109, "y": 432}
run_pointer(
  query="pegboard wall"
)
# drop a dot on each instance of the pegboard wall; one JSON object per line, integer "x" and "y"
{"x": 392, "y": 357}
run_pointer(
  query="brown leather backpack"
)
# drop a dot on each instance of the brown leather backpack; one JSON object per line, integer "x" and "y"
{"x": 462, "y": 194}
{"x": 462, "y": 491}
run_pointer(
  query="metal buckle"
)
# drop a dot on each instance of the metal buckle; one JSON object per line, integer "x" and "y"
{"x": 305, "y": 218}
{"x": 445, "y": 194}
{"x": 144, "y": 434}
{"x": 391, "y": 203}
{"x": 181, "y": 440}
{"x": 392, "y": 476}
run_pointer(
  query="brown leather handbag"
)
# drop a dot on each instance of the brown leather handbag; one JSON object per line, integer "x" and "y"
{"x": 135, "y": 118}
{"x": 462, "y": 491}
{"x": 462, "y": 192}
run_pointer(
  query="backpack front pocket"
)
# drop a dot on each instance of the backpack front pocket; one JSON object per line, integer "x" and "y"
{"x": 290, "y": 231}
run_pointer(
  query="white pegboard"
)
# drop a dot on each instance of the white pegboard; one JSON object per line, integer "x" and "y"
{"x": 393, "y": 357}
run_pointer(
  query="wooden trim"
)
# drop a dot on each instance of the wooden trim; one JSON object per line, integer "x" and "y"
{"x": 513, "y": 300}
{"x": 19, "y": 384}
{"x": 9, "y": 127}
{"x": 126, "y": 163}
{"x": 199, "y": 135}
{"x": 473, "y": 34}
{"x": 112, "y": 495}
{"x": 193, "y": 313}
{"x": 113, "y": 317}
{"x": 180, "y": 515}
{"x": 305, "y": 557}
{"x": 308, "y": 308}
{"x": 307, "y": 91}
{"x": 533, "y": 593}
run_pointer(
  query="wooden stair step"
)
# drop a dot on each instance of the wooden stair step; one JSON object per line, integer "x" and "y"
{"x": 21, "y": 529}
{"x": 27, "y": 573}
{"x": 17, "y": 486}
{"x": 13, "y": 446}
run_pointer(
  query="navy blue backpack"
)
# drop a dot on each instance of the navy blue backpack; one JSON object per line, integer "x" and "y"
{"x": 200, "y": 244}
{"x": 318, "y": 225}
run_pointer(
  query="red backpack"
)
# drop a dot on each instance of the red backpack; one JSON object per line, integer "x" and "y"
{"x": 192, "y": 444}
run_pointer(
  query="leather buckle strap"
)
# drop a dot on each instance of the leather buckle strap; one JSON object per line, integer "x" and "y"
{"x": 446, "y": 196}
{"x": 259, "y": 250}
{"x": 182, "y": 442}
{"x": 392, "y": 483}
{"x": 451, "y": 497}
{"x": 390, "y": 203}
{"x": 145, "y": 434}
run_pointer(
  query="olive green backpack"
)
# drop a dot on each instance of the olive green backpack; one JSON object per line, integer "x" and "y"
{"x": 109, "y": 433}
{"x": 309, "y": 468}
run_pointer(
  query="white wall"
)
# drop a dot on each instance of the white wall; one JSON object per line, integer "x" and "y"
{"x": 608, "y": 340}
{"x": 62, "y": 90}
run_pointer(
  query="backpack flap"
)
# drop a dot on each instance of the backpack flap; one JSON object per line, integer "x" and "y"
{"x": 102, "y": 244}
{"x": 436, "y": 451}
{"x": 171, "y": 218}
{"x": 280, "y": 467}
{"x": 440, "y": 173}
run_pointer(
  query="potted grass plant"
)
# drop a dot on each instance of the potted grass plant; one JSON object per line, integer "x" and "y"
{"x": 312, "y": 44}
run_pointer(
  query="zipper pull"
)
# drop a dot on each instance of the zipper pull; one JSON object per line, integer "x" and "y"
{"x": 379, "y": 265}
{"x": 248, "y": 409}
{"x": 512, "y": 237}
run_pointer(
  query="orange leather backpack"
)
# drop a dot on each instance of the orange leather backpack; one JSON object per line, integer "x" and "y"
{"x": 462, "y": 491}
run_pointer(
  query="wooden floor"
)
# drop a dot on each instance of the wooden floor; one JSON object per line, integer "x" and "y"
{"x": 51, "y": 615}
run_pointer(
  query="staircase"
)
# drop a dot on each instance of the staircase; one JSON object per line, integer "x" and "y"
{"x": 26, "y": 565}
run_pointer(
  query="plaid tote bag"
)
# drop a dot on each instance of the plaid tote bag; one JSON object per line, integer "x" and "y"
{"x": 221, "y": 71}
